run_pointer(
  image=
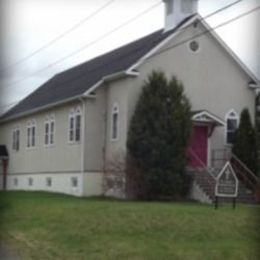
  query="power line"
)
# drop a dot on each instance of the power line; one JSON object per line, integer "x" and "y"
{"x": 176, "y": 45}
{"x": 207, "y": 31}
{"x": 10, "y": 104}
{"x": 62, "y": 35}
{"x": 88, "y": 45}
{"x": 57, "y": 38}
{"x": 111, "y": 32}
{"x": 221, "y": 9}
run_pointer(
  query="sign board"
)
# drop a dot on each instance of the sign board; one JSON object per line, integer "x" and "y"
{"x": 227, "y": 182}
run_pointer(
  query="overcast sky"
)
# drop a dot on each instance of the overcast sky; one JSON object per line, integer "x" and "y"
{"x": 30, "y": 24}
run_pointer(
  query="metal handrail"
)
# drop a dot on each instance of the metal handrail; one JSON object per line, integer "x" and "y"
{"x": 201, "y": 162}
{"x": 245, "y": 167}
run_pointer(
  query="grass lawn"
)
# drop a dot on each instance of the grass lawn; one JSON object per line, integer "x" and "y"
{"x": 49, "y": 226}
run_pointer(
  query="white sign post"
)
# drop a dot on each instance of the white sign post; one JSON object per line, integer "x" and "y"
{"x": 227, "y": 184}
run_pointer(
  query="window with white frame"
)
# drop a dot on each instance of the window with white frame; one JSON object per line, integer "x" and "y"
{"x": 232, "y": 121}
{"x": 75, "y": 125}
{"x": 16, "y": 139}
{"x": 114, "y": 122}
{"x": 49, "y": 128}
{"x": 31, "y": 132}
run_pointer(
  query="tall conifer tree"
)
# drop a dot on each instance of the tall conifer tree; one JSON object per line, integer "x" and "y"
{"x": 245, "y": 142}
{"x": 158, "y": 136}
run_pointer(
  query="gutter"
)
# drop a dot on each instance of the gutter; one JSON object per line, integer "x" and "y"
{"x": 87, "y": 94}
{"x": 42, "y": 108}
{"x": 111, "y": 77}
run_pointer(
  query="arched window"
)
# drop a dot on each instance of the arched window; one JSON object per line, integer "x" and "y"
{"x": 31, "y": 132}
{"x": 74, "y": 125}
{"x": 232, "y": 121}
{"x": 49, "y": 127}
{"x": 114, "y": 124}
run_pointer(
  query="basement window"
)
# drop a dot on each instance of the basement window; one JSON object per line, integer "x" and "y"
{"x": 15, "y": 182}
{"x": 74, "y": 182}
{"x": 48, "y": 182}
{"x": 30, "y": 181}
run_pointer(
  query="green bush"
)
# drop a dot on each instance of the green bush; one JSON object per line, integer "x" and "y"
{"x": 245, "y": 142}
{"x": 157, "y": 139}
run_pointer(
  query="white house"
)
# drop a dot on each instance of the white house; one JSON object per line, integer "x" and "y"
{"x": 64, "y": 135}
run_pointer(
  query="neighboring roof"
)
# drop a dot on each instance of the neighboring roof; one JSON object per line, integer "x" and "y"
{"x": 3, "y": 152}
{"x": 77, "y": 80}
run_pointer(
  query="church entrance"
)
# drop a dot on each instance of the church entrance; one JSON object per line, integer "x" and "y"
{"x": 198, "y": 148}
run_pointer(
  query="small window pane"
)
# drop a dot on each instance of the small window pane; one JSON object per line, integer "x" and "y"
{"x": 33, "y": 136}
{"x": 46, "y": 134}
{"x": 78, "y": 126}
{"x": 74, "y": 182}
{"x": 17, "y": 140}
{"x": 71, "y": 131}
{"x": 13, "y": 140}
{"x": 52, "y": 127}
{"x": 52, "y": 133}
{"x": 231, "y": 124}
{"x": 28, "y": 137}
{"x": 114, "y": 125}
{"x": 230, "y": 137}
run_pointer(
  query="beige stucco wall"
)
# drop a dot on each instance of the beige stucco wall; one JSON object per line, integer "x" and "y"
{"x": 117, "y": 93}
{"x": 212, "y": 81}
{"x": 94, "y": 131}
{"x": 211, "y": 78}
{"x": 61, "y": 157}
{"x": 63, "y": 160}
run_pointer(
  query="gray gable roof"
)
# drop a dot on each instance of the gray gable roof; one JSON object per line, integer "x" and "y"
{"x": 77, "y": 80}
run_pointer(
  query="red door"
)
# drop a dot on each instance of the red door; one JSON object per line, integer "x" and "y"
{"x": 198, "y": 149}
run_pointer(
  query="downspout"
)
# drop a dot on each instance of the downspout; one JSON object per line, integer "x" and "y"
{"x": 5, "y": 162}
{"x": 105, "y": 115}
{"x": 83, "y": 139}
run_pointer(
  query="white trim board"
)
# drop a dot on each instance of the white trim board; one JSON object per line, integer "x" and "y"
{"x": 204, "y": 113}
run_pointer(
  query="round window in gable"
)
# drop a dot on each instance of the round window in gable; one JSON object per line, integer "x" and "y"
{"x": 194, "y": 46}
